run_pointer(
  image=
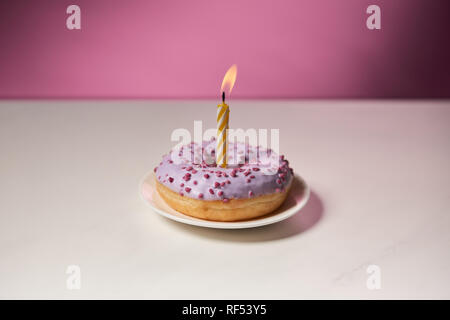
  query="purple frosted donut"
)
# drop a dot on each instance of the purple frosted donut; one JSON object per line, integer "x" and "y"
{"x": 252, "y": 173}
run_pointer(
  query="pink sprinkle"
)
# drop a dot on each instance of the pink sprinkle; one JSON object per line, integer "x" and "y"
{"x": 216, "y": 184}
{"x": 206, "y": 176}
{"x": 156, "y": 168}
{"x": 222, "y": 184}
{"x": 195, "y": 182}
{"x": 170, "y": 161}
{"x": 200, "y": 195}
{"x": 182, "y": 185}
{"x": 278, "y": 181}
{"x": 181, "y": 193}
{"x": 159, "y": 177}
{"x": 255, "y": 169}
{"x": 252, "y": 177}
{"x": 170, "y": 179}
{"x": 228, "y": 181}
{"x": 211, "y": 191}
{"x": 226, "y": 200}
{"x": 277, "y": 190}
{"x": 233, "y": 174}
{"x": 246, "y": 173}
{"x": 250, "y": 193}
{"x": 282, "y": 175}
{"x": 220, "y": 193}
{"x": 187, "y": 189}
{"x": 249, "y": 180}
{"x": 194, "y": 171}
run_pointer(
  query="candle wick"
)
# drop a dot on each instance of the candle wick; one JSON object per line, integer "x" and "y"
{"x": 223, "y": 96}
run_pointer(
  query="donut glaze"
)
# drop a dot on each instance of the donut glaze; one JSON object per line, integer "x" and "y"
{"x": 251, "y": 172}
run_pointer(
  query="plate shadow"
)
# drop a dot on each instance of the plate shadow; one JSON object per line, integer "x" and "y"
{"x": 299, "y": 223}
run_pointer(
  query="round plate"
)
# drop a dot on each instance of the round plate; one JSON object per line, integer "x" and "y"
{"x": 297, "y": 198}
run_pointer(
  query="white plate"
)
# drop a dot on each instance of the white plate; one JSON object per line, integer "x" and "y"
{"x": 297, "y": 198}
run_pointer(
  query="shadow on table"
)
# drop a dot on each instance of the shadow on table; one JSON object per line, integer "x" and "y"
{"x": 301, "y": 222}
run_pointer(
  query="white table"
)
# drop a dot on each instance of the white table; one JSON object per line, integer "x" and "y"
{"x": 379, "y": 172}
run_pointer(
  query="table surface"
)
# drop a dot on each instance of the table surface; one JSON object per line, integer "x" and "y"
{"x": 69, "y": 195}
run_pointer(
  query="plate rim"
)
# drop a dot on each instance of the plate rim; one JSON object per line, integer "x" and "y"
{"x": 263, "y": 221}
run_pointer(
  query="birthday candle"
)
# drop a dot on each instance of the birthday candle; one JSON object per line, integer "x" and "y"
{"x": 223, "y": 112}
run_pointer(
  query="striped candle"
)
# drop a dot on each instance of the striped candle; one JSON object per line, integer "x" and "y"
{"x": 223, "y": 112}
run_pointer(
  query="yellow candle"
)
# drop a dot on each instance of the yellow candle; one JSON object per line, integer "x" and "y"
{"x": 223, "y": 112}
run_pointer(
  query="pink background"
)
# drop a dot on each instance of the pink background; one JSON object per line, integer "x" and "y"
{"x": 182, "y": 48}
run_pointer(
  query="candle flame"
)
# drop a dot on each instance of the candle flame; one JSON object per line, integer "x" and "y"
{"x": 229, "y": 80}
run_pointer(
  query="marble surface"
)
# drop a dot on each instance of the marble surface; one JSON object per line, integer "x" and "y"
{"x": 380, "y": 179}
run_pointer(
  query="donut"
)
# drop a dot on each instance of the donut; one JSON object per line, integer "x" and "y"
{"x": 254, "y": 183}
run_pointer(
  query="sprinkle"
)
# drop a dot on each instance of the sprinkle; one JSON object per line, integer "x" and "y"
{"x": 194, "y": 171}
{"x": 187, "y": 189}
{"x": 182, "y": 185}
{"x": 220, "y": 193}
{"x": 252, "y": 177}
{"x": 170, "y": 179}
{"x": 200, "y": 195}
{"x": 278, "y": 181}
{"x": 228, "y": 181}
{"x": 277, "y": 190}
{"x": 249, "y": 180}
{"x": 233, "y": 174}
{"x": 170, "y": 161}
{"x": 216, "y": 184}
{"x": 225, "y": 200}
{"x": 255, "y": 169}
{"x": 250, "y": 193}
{"x": 181, "y": 193}
{"x": 211, "y": 191}
{"x": 206, "y": 176}
{"x": 195, "y": 182}
{"x": 189, "y": 168}
{"x": 222, "y": 184}
{"x": 156, "y": 168}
